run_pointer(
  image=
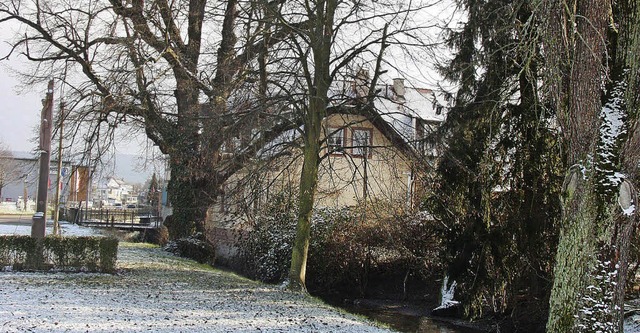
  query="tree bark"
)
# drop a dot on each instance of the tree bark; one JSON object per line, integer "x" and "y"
{"x": 320, "y": 37}
{"x": 308, "y": 184}
{"x": 591, "y": 262}
{"x": 190, "y": 195}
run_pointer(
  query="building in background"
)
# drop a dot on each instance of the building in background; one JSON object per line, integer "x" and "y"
{"x": 79, "y": 185}
{"x": 22, "y": 187}
{"x": 114, "y": 191}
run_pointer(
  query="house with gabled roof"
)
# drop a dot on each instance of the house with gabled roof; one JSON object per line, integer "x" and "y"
{"x": 373, "y": 159}
{"x": 369, "y": 156}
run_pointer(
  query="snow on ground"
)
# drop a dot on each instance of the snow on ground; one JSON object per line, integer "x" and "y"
{"x": 157, "y": 292}
{"x": 67, "y": 229}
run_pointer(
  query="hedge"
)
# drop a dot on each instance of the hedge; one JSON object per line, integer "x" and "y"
{"x": 85, "y": 254}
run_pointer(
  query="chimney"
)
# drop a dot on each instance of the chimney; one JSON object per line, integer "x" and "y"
{"x": 398, "y": 89}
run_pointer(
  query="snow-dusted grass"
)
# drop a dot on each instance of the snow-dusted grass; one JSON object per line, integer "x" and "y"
{"x": 11, "y": 208}
{"x": 157, "y": 292}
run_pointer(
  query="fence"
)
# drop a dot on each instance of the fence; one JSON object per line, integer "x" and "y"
{"x": 117, "y": 218}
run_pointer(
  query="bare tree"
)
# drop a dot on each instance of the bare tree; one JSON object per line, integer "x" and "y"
{"x": 9, "y": 169}
{"x": 176, "y": 70}
{"x": 194, "y": 75}
{"x": 332, "y": 41}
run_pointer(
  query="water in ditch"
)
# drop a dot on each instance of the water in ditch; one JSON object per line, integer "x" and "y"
{"x": 406, "y": 319}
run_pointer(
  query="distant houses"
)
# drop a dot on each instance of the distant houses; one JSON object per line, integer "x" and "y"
{"x": 114, "y": 192}
{"x": 77, "y": 188}
{"x": 21, "y": 184}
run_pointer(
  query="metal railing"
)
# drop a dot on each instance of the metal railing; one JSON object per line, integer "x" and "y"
{"x": 116, "y": 218}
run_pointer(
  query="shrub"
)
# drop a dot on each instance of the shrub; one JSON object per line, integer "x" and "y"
{"x": 195, "y": 247}
{"x": 353, "y": 254}
{"x": 158, "y": 236}
{"x": 94, "y": 254}
{"x": 264, "y": 252}
{"x": 349, "y": 252}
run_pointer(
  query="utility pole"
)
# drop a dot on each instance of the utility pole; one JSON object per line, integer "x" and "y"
{"x": 38, "y": 227}
{"x": 56, "y": 213}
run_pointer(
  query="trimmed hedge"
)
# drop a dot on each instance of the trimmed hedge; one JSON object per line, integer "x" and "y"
{"x": 86, "y": 254}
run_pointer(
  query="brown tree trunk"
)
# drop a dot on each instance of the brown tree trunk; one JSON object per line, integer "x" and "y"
{"x": 591, "y": 262}
{"x": 320, "y": 36}
{"x": 308, "y": 184}
{"x": 190, "y": 194}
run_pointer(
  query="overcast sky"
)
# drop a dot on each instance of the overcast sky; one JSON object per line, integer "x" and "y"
{"x": 20, "y": 119}
{"x": 19, "y": 113}
{"x": 20, "y": 109}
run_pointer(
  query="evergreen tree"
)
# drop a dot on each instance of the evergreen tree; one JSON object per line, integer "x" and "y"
{"x": 152, "y": 195}
{"x": 498, "y": 177}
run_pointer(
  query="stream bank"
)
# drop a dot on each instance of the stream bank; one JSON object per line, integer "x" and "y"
{"x": 409, "y": 316}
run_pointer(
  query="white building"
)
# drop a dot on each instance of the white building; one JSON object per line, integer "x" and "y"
{"x": 114, "y": 192}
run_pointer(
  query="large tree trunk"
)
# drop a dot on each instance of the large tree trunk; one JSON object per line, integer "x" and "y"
{"x": 190, "y": 198}
{"x": 599, "y": 200}
{"x": 575, "y": 251}
{"x": 592, "y": 259}
{"x": 308, "y": 184}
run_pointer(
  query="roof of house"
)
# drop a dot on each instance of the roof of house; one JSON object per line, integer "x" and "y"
{"x": 416, "y": 102}
{"x": 391, "y": 114}
{"x": 30, "y": 156}
{"x": 394, "y": 112}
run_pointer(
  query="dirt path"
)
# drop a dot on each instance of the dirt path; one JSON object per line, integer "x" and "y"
{"x": 156, "y": 292}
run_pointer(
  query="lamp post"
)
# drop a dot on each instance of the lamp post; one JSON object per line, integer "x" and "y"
{"x": 25, "y": 199}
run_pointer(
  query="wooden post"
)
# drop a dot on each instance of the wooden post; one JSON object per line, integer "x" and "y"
{"x": 56, "y": 213}
{"x": 39, "y": 221}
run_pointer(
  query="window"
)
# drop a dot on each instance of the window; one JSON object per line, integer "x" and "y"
{"x": 335, "y": 140}
{"x": 361, "y": 142}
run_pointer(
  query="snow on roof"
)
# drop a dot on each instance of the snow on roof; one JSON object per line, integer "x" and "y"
{"x": 417, "y": 103}
{"x": 396, "y": 111}
{"x": 31, "y": 156}
{"x": 23, "y": 155}
{"x": 280, "y": 143}
{"x": 420, "y": 103}
{"x": 399, "y": 111}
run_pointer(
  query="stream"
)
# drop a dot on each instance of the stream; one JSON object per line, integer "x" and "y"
{"x": 403, "y": 317}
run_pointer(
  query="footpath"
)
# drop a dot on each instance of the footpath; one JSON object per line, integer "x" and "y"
{"x": 155, "y": 291}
